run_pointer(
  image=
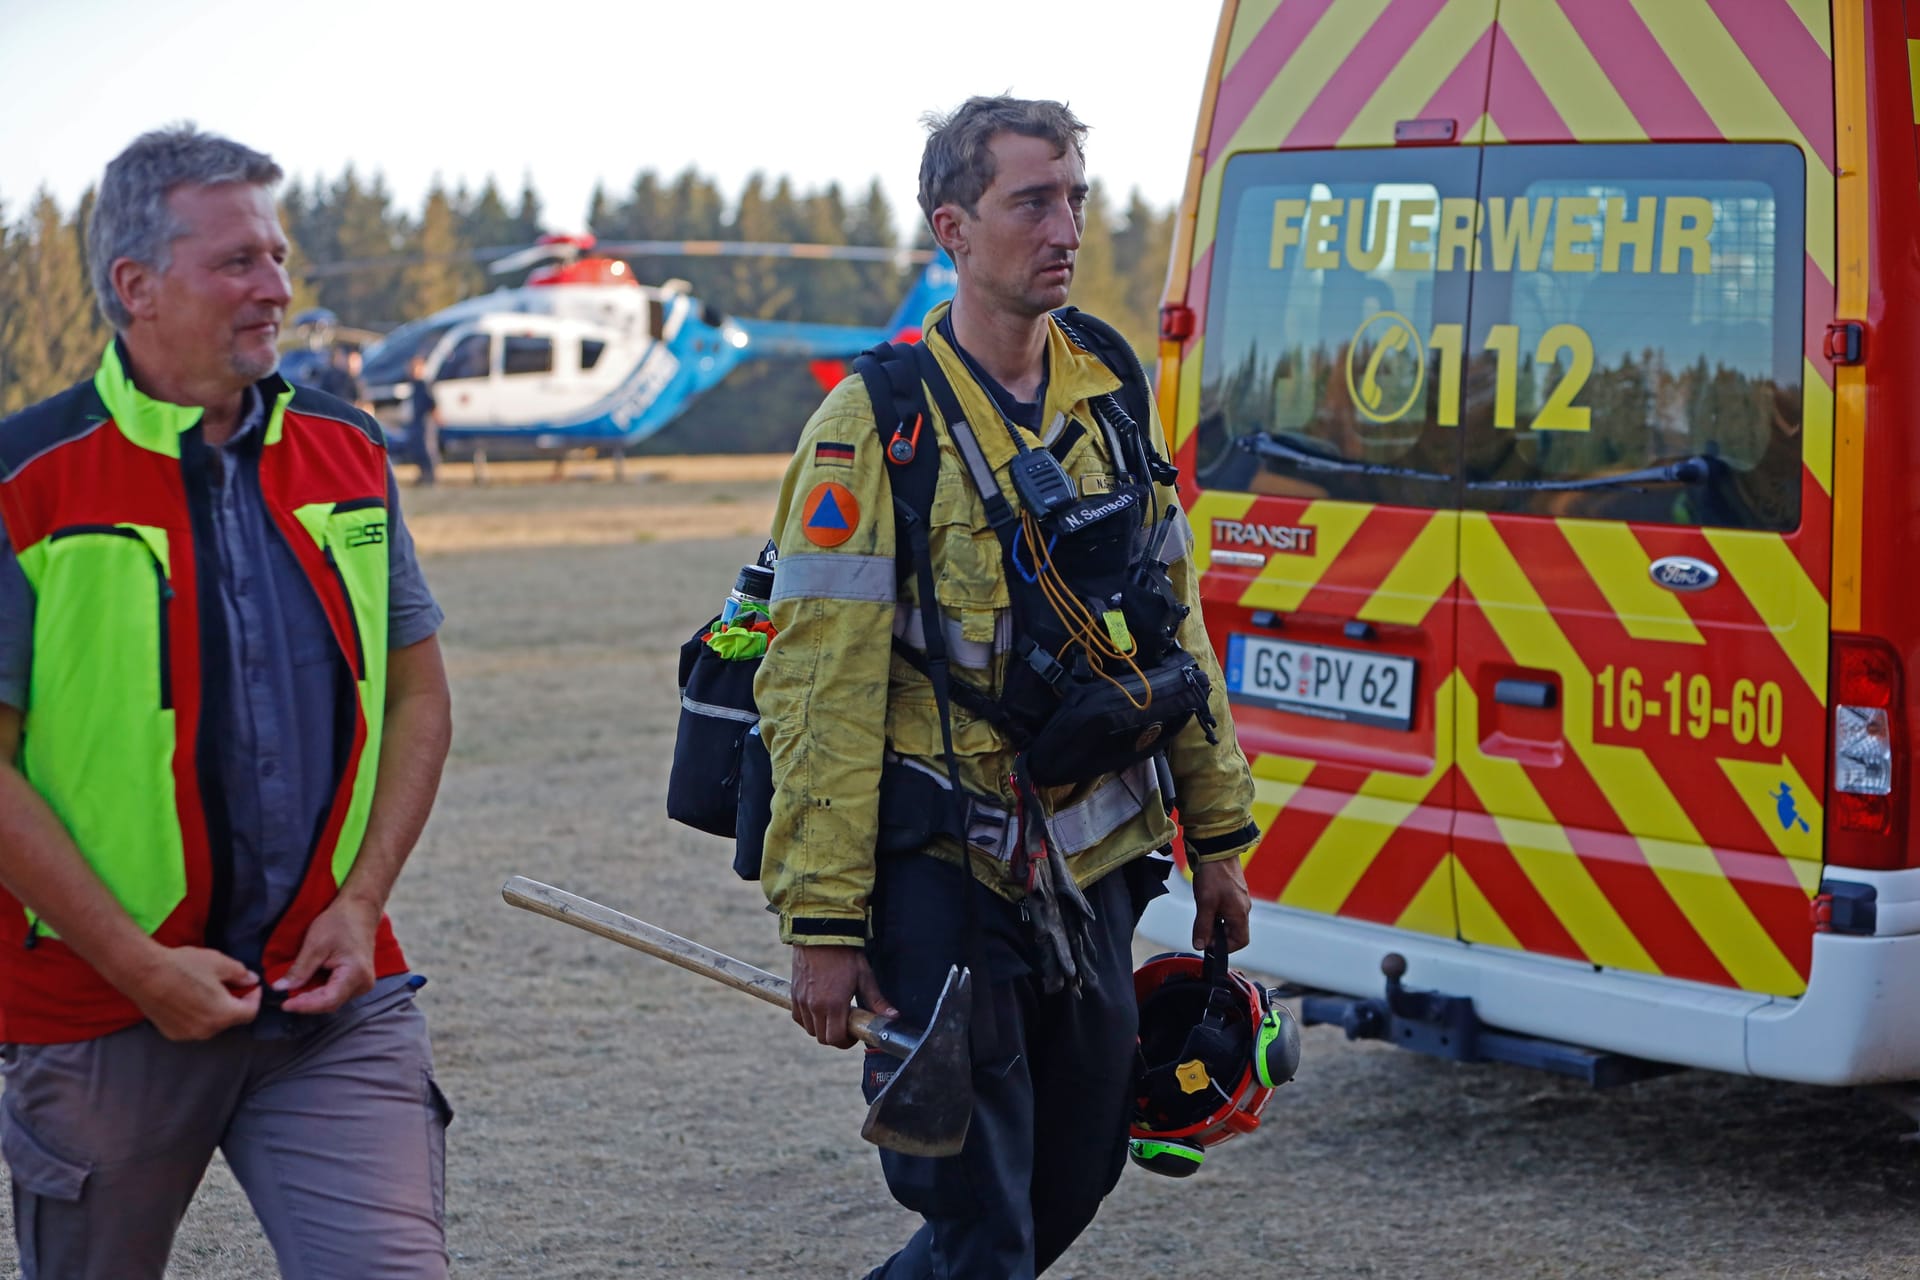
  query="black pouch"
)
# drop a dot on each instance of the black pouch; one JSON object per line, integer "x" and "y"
{"x": 913, "y": 809}
{"x": 755, "y": 808}
{"x": 716, "y": 710}
{"x": 1098, "y": 729}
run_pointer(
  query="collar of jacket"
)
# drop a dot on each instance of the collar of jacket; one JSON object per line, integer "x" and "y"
{"x": 155, "y": 424}
{"x": 1074, "y": 377}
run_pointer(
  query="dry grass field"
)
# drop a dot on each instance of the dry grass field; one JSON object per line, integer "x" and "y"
{"x": 617, "y": 1117}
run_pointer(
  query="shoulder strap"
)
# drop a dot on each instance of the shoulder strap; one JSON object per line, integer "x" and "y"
{"x": 887, "y": 370}
{"x": 999, "y": 510}
{"x": 913, "y": 469}
{"x": 1134, "y": 400}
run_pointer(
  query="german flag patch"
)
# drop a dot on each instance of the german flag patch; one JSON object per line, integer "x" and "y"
{"x": 833, "y": 453}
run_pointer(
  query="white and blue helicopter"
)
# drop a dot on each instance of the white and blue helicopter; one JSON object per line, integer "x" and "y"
{"x": 583, "y": 354}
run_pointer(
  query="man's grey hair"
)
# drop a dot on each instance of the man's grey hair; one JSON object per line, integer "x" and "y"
{"x": 957, "y": 167}
{"x": 130, "y": 214}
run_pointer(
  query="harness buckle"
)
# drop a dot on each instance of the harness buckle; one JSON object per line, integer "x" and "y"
{"x": 1044, "y": 664}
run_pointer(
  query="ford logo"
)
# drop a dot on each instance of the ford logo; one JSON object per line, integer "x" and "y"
{"x": 1683, "y": 573}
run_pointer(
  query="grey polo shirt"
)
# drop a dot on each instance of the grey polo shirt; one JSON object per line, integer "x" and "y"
{"x": 271, "y": 740}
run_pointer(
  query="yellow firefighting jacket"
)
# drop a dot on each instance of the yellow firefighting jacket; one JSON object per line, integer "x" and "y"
{"x": 835, "y": 700}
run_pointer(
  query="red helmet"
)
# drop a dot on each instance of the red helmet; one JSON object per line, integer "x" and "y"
{"x": 1214, "y": 1045}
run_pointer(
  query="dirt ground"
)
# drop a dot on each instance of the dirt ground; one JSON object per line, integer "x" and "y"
{"x": 618, "y": 1117}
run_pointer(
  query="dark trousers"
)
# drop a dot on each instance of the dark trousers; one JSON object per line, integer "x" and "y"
{"x": 426, "y": 449}
{"x": 1052, "y": 1074}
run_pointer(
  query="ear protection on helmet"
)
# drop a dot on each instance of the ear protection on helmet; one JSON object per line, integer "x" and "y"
{"x": 1213, "y": 1046}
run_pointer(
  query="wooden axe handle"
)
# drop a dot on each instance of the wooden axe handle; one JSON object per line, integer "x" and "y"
{"x": 584, "y": 913}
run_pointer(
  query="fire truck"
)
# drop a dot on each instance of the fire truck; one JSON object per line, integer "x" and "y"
{"x": 1543, "y": 376}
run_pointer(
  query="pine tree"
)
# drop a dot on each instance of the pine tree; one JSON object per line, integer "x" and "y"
{"x": 436, "y": 276}
{"x": 1097, "y": 286}
{"x": 754, "y": 286}
{"x": 304, "y": 298}
{"x": 827, "y": 287}
{"x": 367, "y": 230}
{"x": 527, "y": 223}
{"x": 881, "y": 285}
{"x": 1141, "y": 249}
{"x": 484, "y": 223}
{"x": 12, "y": 313}
{"x": 599, "y": 211}
{"x": 59, "y": 333}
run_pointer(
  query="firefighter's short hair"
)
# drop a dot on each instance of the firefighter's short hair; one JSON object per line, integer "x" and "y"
{"x": 957, "y": 166}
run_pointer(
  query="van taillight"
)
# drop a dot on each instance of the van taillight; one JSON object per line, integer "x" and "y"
{"x": 1176, "y": 322}
{"x": 1866, "y": 801}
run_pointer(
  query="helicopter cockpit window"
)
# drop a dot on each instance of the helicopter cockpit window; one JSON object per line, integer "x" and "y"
{"x": 590, "y": 349}
{"x": 524, "y": 354}
{"x": 392, "y": 360}
{"x": 468, "y": 359}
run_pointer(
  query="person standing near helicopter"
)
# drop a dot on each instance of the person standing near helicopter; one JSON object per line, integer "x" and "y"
{"x": 423, "y": 418}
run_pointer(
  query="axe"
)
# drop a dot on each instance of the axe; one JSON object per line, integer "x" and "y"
{"x": 922, "y": 1111}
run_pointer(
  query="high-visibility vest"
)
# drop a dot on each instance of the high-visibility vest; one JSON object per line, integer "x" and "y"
{"x": 95, "y": 506}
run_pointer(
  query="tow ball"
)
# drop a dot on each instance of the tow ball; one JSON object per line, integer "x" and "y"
{"x": 1446, "y": 1026}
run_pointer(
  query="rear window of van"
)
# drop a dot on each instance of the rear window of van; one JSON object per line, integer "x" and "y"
{"x": 1600, "y": 331}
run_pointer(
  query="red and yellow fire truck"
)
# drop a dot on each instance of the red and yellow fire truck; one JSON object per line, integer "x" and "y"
{"x": 1544, "y": 375}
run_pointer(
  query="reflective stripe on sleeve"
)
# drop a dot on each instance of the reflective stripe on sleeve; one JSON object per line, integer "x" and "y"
{"x": 911, "y": 627}
{"x": 813, "y": 576}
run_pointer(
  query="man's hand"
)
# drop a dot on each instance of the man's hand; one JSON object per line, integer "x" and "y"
{"x": 825, "y": 981}
{"x": 191, "y": 993}
{"x": 339, "y": 944}
{"x": 1220, "y": 893}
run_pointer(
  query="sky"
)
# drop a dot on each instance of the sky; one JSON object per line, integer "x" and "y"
{"x": 820, "y": 91}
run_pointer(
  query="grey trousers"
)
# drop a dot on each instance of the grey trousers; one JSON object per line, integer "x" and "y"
{"x": 337, "y": 1133}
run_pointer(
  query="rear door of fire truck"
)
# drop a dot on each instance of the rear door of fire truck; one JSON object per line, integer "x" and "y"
{"x": 1308, "y": 404}
{"x": 1646, "y": 420}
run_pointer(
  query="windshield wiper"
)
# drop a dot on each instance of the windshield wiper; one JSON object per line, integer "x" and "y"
{"x": 1309, "y": 454}
{"x": 1695, "y": 470}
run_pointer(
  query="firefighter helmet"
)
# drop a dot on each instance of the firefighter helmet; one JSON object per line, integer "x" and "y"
{"x": 1214, "y": 1045}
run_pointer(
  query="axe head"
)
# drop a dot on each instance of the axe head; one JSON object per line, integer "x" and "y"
{"x": 925, "y": 1108}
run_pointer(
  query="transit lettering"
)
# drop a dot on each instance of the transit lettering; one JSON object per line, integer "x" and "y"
{"x": 1297, "y": 539}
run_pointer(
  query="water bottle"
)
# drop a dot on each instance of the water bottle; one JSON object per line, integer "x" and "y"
{"x": 753, "y": 586}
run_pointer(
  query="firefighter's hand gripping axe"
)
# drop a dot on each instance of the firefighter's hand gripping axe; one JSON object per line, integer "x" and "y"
{"x": 922, "y": 1111}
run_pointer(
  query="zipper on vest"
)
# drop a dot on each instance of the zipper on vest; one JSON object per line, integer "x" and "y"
{"x": 353, "y": 618}
{"x": 165, "y": 597}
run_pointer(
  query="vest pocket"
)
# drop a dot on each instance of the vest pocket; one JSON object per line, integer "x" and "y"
{"x": 74, "y": 542}
{"x": 100, "y": 736}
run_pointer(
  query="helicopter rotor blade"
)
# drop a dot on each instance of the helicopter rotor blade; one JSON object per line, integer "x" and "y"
{"x": 531, "y": 256}
{"x": 761, "y": 249}
{"x": 505, "y": 259}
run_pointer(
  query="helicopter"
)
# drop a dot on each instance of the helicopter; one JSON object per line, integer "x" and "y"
{"x": 583, "y": 354}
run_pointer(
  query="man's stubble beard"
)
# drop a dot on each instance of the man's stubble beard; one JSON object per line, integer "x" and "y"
{"x": 253, "y": 368}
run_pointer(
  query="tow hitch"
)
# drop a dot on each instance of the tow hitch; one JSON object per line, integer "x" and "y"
{"x": 1444, "y": 1026}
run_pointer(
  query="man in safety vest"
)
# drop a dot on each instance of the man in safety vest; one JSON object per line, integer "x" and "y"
{"x": 223, "y": 716}
{"x": 1002, "y": 184}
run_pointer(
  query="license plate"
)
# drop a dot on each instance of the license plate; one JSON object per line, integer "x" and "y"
{"x": 1315, "y": 680}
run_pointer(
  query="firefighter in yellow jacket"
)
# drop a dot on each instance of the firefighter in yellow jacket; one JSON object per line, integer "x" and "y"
{"x": 1002, "y": 183}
